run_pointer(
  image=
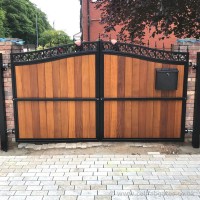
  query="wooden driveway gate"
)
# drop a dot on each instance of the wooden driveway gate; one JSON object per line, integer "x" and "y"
{"x": 99, "y": 91}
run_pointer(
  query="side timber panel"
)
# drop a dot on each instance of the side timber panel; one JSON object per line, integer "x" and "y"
{"x": 127, "y": 77}
{"x": 67, "y": 78}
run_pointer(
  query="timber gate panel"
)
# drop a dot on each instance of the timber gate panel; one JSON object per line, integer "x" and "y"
{"x": 126, "y": 77}
{"x": 66, "y": 78}
{"x": 56, "y": 98}
{"x": 98, "y": 91}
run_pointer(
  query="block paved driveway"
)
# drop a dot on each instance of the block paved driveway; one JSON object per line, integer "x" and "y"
{"x": 100, "y": 177}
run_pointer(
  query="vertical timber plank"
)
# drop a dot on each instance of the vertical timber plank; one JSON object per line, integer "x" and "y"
{"x": 149, "y": 104}
{"x": 113, "y": 93}
{"x": 35, "y": 105}
{"x": 42, "y": 105}
{"x": 21, "y": 106}
{"x": 49, "y": 94}
{"x": 27, "y": 105}
{"x": 135, "y": 93}
{"x": 121, "y": 93}
{"x": 78, "y": 93}
{"x": 64, "y": 93}
{"x": 142, "y": 105}
{"x": 57, "y": 94}
{"x": 86, "y": 94}
{"x": 128, "y": 93}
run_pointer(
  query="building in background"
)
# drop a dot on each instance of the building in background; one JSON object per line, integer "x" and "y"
{"x": 91, "y": 27}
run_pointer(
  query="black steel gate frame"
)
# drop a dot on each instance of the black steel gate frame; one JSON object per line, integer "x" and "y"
{"x": 3, "y": 125}
{"x": 99, "y": 49}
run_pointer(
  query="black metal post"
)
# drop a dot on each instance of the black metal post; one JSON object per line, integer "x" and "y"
{"x": 101, "y": 89}
{"x": 196, "y": 125}
{"x": 3, "y": 126}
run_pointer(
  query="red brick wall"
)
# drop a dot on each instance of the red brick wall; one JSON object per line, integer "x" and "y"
{"x": 5, "y": 49}
{"x": 193, "y": 47}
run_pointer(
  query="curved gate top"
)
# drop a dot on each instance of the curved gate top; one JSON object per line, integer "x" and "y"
{"x": 100, "y": 91}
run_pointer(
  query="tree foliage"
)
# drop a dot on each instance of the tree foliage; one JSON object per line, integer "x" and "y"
{"x": 51, "y": 38}
{"x": 164, "y": 17}
{"x": 2, "y": 21}
{"x": 19, "y": 20}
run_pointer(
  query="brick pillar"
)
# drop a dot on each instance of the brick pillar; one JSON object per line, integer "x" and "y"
{"x": 6, "y": 48}
{"x": 193, "y": 47}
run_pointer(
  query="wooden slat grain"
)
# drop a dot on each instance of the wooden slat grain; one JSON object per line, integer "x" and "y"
{"x": 71, "y": 119}
{"x": 85, "y": 77}
{"x": 179, "y": 91}
{"x": 121, "y": 78}
{"x": 22, "y": 120}
{"x": 29, "y": 119}
{"x": 163, "y": 119}
{"x": 49, "y": 79}
{"x": 34, "y": 80}
{"x": 127, "y": 119}
{"x": 86, "y": 119}
{"x": 107, "y": 75}
{"x": 49, "y": 94}
{"x": 114, "y": 76}
{"x": 135, "y": 78}
{"x": 113, "y": 119}
{"x": 134, "y": 119}
{"x": 64, "y": 114}
{"x": 79, "y": 119}
{"x": 156, "y": 119}
{"x": 35, "y": 119}
{"x": 43, "y": 120}
{"x": 57, "y": 94}
{"x": 19, "y": 81}
{"x": 171, "y": 118}
{"x": 142, "y": 93}
{"x": 128, "y": 76}
{"x": 26, "y": 81}
{"x": 92, "y": 120}
{"x": 41, "y": 80}
{"x": 120, "y": 119}
{"x": 71, "y": 77}
{"x": 56, "y": 79}
{"x": 78, "y": 76}
{"x": 92, "y": 76}
{"x": 107, "y": 118}
{"x": 64, "y": 87}
{"x": 149, "y": 104}
{"x": 177, "y": 123}
{"x": 50, "y": 119}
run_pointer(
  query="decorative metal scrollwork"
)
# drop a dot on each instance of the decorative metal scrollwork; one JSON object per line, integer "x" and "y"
{"x": 54, "y": 52}
{"x": 145, "y": 52}
{"x": 126, "y": 48}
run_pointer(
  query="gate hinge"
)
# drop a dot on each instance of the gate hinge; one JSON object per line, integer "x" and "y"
{"x": 10, "y": 131}
{"x": 6, "y": 66}
{"x": 194, "y": 66}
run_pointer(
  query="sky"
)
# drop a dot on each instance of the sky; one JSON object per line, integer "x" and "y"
{"x": 64, "y": 14}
